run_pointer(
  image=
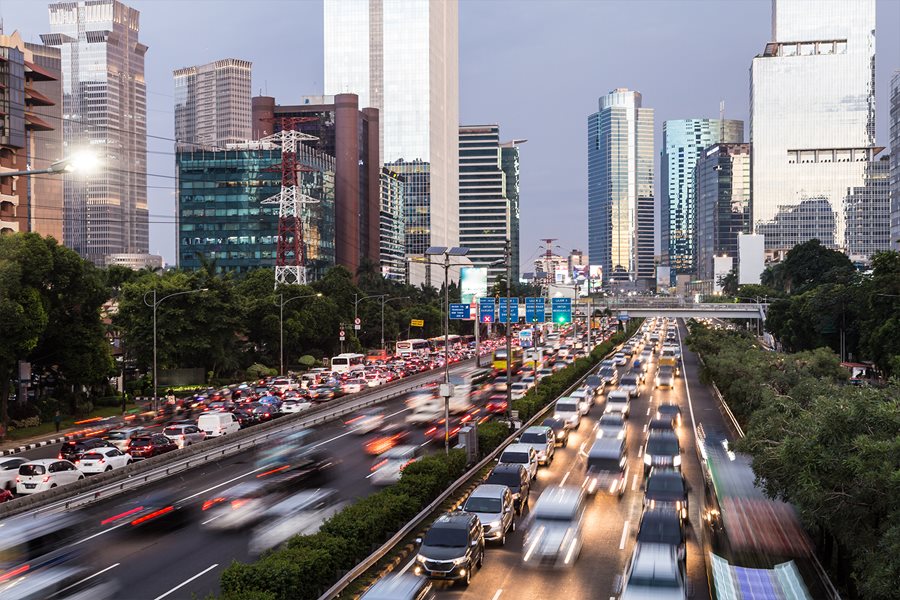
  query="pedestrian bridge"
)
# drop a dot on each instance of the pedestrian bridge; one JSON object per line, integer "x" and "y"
{"x": 681, "y": 309}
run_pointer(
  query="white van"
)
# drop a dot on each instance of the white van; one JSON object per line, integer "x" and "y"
{"x": 214, "y": 424}
{"x": 568, "y": 410}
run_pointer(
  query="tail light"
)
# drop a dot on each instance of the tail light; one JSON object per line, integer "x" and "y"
{"x": 210, "y": 503}
{"x": 46, "y": 479}
{"x": 378, "y": 465}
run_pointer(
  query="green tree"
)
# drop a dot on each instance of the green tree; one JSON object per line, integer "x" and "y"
{"x": 807, "y": 265}
{"x": 880, "y": 318}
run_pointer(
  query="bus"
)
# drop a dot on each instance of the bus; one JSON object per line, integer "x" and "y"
{"x": 468, "y": 388}
{"x": 344, "y": 363}
{"x": 498, "y": 359}
{"x": 437, "y": 343}
{"x": 413, "y": 348}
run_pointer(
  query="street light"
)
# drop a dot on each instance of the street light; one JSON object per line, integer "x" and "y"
{"x": 445, "y": 388}
{"x": 84, "y": 162}
{"x": 280, "y": 304}
{"x": 154, "y": 305}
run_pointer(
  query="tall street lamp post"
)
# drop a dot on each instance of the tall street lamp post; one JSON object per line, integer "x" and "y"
{"x": 280, "y": 304}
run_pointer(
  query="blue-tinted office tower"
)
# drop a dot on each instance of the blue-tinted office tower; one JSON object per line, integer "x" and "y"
{"x": 620, "y": 187}
{"x": 684, "y": 140}
{"x": 221, "y": 217}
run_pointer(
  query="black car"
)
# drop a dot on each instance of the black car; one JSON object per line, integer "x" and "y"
{"x": 668, "y": 410}
{"x": 560, "y": 431}
{"x": 517, "y": 479}
{"x": 73, "y": 450}
{"x": 661, "y": 526}
{"x": 245, "y": 417}
{"x": 452, "y": 548}
{"x": 667, "y": 489}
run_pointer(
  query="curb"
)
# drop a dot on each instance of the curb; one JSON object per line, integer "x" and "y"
{"x": 41, "y": 444}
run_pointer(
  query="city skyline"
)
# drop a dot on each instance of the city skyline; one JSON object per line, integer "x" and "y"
{"x": 497, "y": 82}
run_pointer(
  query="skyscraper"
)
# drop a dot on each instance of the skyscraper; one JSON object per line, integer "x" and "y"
{"x": 620, "y": 180}
{"x": 392, "y": 226}
{"x": 105, "y": 108}
{"x": 212, "y": 104}
{"x": 509, "y": 162}
{"x": 895, "y": 161}
{"x": 812, "y": 127}
{"x": 402, "y": 57}
{"x": 487, "y": 216}
{"x": 684, "y": 140}
{"x": 867, "y": 213}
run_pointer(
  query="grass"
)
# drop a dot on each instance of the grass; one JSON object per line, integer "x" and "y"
{"x": 67, "y": 422}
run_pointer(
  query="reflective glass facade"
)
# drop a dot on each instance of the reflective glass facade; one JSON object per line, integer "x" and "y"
{"x": 393, "y": 249}
{"x": 867, "y": 213}
{"x": 812, "y": 106}
{"x": 416, "y": 204}
{"x": 684, "y": 140}
{"x": 212, "y": 104}
{"x": 509, "y": 162}
{"x": 222, "y": 219}
{"x": 895, "y": 160}
{"x": 620, "y": 172}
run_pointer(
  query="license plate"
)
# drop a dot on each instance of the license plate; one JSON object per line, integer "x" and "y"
{"x": 88, "y": 464}
{"x": 30, "y": 486}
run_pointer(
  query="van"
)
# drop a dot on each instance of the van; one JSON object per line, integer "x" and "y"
{"x": 214, "y": 424}
{"x": 569, "y": 411}
{"x": 618, "y": 401}
{"x": 605, "y": 466}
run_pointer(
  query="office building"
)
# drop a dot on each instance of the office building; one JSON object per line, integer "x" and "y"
{"x": 509, "y": 162}
{"x": 402, "y": 58}
{"x": 684, "y": 140}
{"x": 546, "y": 268}
{"x": 895, "y": 160}
{"x": 392, "y": 227}
{"x": 576, "y": 259}
{"x": 30, "y": 136}
{"x": 221, "y": 217}
{"x": 487, "y": 216}
{"x": 417, "y": 217}
{"x": 212, "y": 104}
{"x": 812, "y": 129}
{"x": 722, "y": 177}
{"x": 620, "y": 178}
{"x": 751, "y": 257}
{"x": 867, "y": 213}
{"x": 349, "y": 133}
{"x": 105, "y": 108}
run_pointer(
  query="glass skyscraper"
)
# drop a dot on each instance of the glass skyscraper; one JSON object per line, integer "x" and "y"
{"x": 812, "y": 128}
{"x": 620, "y": 181}
{"x": 509, "y": 162}
{"x": 895, "y": 160}
{"x": 391, "y": 226}
{"x": 212, "y": 104}
{"x": 402, "y": 57}
{"x": 684, "y": 140}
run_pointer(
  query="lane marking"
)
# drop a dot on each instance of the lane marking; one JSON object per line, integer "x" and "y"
{"x": 648, "y": 411}
{"x": 184, "y": 583}
{"x": 565, "y": 477}
{"x": 223, "y": 483}
{"x": 646, "y": 425}
{"x": 99, "y": 534}
{"x": 640, "y": 450}
{"x": 408, "y": 565}
{"x": 634, "y": 482}
{"x": 497, "y": 595}
{"x": 89, "y": 577}
{"x": 621, "y": 543}
{"x": 210, "y": 520}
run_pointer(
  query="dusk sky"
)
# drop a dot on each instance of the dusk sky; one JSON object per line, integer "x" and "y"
{"x": 534, "y": 67}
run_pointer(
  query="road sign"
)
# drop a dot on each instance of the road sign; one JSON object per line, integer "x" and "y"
{"x": 514, "y": 311}
{"x": 460, "y": 311}
{"x": 486, "y": 309}
{"x": 342, "y": 335}
{"x": 624, "y": 317}
{"x": 417, "y": 323}
{"x": 357, "y": 321}
{"x": 562, "y": 310}
{"x": 534, "y": 310}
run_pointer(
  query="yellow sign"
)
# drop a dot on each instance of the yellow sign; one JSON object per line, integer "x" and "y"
{"x": 417, "y": 323}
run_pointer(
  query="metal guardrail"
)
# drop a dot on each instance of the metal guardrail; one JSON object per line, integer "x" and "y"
{"x": 107, "y": 485}
{"x": 370, "y": 561}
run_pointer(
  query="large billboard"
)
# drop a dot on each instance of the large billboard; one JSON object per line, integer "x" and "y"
{"x": 595, "y": 274}
{"x": 473, "y": 283}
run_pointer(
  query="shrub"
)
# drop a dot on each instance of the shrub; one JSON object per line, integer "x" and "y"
{"x": 307, "y": 360}
{"x": 491, "y": 435}
{"x": 108, "y": 401}
{"x": 83, "y": 406}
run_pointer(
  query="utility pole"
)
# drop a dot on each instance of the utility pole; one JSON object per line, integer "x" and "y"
{"x": 477, "y": 333}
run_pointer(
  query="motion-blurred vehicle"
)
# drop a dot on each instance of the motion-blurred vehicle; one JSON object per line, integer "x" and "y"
{"x": 665, "y": 377}
{"x": 662, "y": 424}
{"x": 44, "y": 474}
{"x": 493, "y": 505}
{"x": 150, "y": 445}
{"x": 519, "y": 389}
{"x": 560, "y": 431}
{"x": 541, "y": 439}
{"x": 618, "y": 401}
{"x": 9, "y": 469}
{"x": 568, "y": 410}
{"x": 606, "y": 466}
{"x": 654, "y": 571}
{"x": 554, "y": 538}
{"x": 608, "y": 375}
{"x": 630, "y": 384}
{"x": 184, "y": 435}
{"x": 619, "y": 359}
{"x": 102, "y": 460}
{"x": 296, "y": 456}
{"x": 295, "y": 406}
{"x": 452, "y": 548}
{"x": 521, "y": 454}
{"x": 663, "y": 526}
{"x": 585, "y": 401}
{"x": 321, "y": 392}
{"x": 517, "y": 479}
{"x": 73, "y": 449}
{"x": 496, "y": 404}
{"x": 121, "y": 437}
{"x": 661, "y": 450}
{"x": 386, "y": 440}
{"x": 666, "y": 488}
{"x": 425, "y": 407}
{"x": 671, "y": 411}
{"x": 353, "y": 386}
{"x": 402, "y": 586}
{"x": 159, "y": 509}
{"x": 239, "y": 506}
{"x": 366, "y": 421}
{"x": 389, "y": 466}
{"x": 612, "y": 425}
{"x": 302, "y": 513}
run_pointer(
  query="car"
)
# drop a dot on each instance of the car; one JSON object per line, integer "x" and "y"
{"x": 452, "y": 548}
{"x": 184, "y": 435}
{"x": 294, "y": 406}
{"x": 663, "y": 526}
{"x": 500, "y": 383}
{"x": 662, "y": 424}
{"x": 9, "y": 469}
{"x": 214, "y": 424}
{"x": 517, "y": 479}
{"x": 594, "y": 383}
{"x": 639, "y": 371}
{"x": 661, "y": 450}
{"x": 665, "y": 377}
{"x": 239, "y": 506}
{"x": 388, "y": 438}
{"x": 493, "y": 504}
{"x": 654, "y": 571}
{"x": 647, "y": 356}
{"x": 353, "y": 386}
{"x": 120, "y": 437}
{"x": 554, "y": 537}
{"x": 402, "y": 586}
{"x": 102, "y": 460}
{"x": 5, "y": 495}
{"x": 496, "y": 404}
{"x": 300, "y": 513}
{"x": 519, "y": 389}
{"x": 585, "y": 401}
{"x": 629, "y": 383}
{"x": 73, "y": 449}
{"x": 389, "y": 466}
{"x": 669, "y": 411}
{"x": 619, "y": 359}
{"x": 366, "y": 421}
{"x": 560, "y": 431}
{"x": 150, "y": 445}
{"x": 609, "y": 375}
{"x": 569, "y": 411}
{"x": 543, "y": 441}
{"x": 542, "y": 373}
{"x": 606, "y": 466}
{"x": 560, "y": 365}
{"x": 245, "y": 417}
{"x": 44, "y": 474}
{"x": 607, "y": 362}
{"x": 667, "y": 488}
{"x": 521, "y": 454}
{"x": 612, "y": 425}
{"x": 618, "y": 401}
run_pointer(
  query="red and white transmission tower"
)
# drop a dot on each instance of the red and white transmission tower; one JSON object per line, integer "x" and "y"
{"x": 290, "y": 256}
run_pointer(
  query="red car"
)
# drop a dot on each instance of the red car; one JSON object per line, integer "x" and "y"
{"x": 147, "y": 446}
{"x": 5, "y": 496}
{"x": 496, "y": 404}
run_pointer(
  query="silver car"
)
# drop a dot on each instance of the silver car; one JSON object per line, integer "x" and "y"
{"x": 554, "y": 537}
{"x": 543, "y": 441}
{"x": 493, "y": 504}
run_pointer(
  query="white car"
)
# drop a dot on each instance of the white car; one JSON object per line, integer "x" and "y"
{"x": 367, "y": 421}
{"x": 389, "y": 466}
{"x": 585, "y": 401}
{"x": 619, "y": 359}
{"x": 295, "y": 406}
{"x": 519, "y": 390}
{"x": 618, "y": 401}
{"x": 184, "y": 434}
{"x": 44, "y": 474}
{"x": 284, "y": 384}
{"x": 521, "y": 454}
{"x": 568, "y": 410}
{"x": 373, "y": 379}
{"x": 9, "y": 469}
{"x": 102, "y": 460}
{"x": 654, "y": 571}
{"x": 352, "y": 386}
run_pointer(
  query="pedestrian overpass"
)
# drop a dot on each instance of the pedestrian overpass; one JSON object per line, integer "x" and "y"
{"x": 680, "y": 309}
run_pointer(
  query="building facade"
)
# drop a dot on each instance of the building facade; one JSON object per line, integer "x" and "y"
{"x": 30, "y": 136}
{"x": 620, "y": 176}
{"x": 416, "y": 195}
{"x": 221, "y": 217}
{"x": 812, "y": 128}
{"x": 392, "y": 235}
{"x": 487, "y": 216}
{"x": 895, "y": 160}
{"x": 509, "y": 162}
{"x": 105, "y": 108}
{"x": 684, "y": 141}
{"x": 402, "y": 58}
{"x": 212, "y": 104}
{"x": 867, "y": 213}
{"x": 349, "y": 133}
{"x": 722, "y": 193}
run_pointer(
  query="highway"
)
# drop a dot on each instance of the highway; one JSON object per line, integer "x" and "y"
{"x": 611, "y": 524}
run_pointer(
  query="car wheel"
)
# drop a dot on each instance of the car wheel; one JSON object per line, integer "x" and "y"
{"x": 80, "y": 477}
{"x": 52, "y": 485}
{"x": 481, "y": 559}
{"x": 108, "y": 469}
{"x": 129, "y": 462}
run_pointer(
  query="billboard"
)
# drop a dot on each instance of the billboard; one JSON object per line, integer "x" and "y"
{"x": 473, "y": 283}
{"x": 579, "y": 273}
{"x": 561, "y": 276}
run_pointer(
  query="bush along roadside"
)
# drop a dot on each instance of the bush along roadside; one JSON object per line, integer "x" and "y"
{"x": 307, "y": 565}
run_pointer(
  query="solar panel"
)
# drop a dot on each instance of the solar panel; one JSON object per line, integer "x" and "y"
{"x": 436, "y": 250}
{"x": 458, "y": 251}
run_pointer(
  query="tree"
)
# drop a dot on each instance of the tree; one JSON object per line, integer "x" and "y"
{"x": 808, "y": 265}
{"x": 729, "y": 283}
{"x": 880, "y": 319}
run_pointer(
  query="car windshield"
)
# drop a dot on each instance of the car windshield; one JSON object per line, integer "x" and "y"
{"x": 533, "y": 438}
{"x": 445, "y": 537}
{"x": 665, "y": 483}
{"x": 118, "y": 435}
{"x": 30, "y": 470}
{"x": 140, "y": 442}
{"x": 483, "y": 505}
{"x": 658, "y": 578}
{"x": 662, "y": 446}
{"x": 92, "y": 456}
{"x": 566, "y": 407}
{"x": 173, "y": 431}
{"x": 599, "y": 464}
{"x": 511, "y": 480}
{"x": 514, "y": 457}
{"x": 554, "y": 423}
{"x": 607, "y": 371}
{"x": 665, "y": 371}
{"x": 660, "y": 530}
{"x": 629, "y": 380}
{"x": 668, "y": 410}
{"x": 611, "y": 421}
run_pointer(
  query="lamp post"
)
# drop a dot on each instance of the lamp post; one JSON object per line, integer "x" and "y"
{"x": 446, "y": 390}
{"x": 280, "y": 304}
{"x": 383, "y": 302}
{"x": 81, "y": 162}
{"x": 154, "y": 306}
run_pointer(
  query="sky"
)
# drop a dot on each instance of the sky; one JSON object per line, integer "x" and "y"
{"x": 535, "y": 67}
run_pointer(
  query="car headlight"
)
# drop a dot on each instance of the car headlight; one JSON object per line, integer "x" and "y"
{"x": 494, "y": 524}
{"x": 420, "y": 558}
{"x": 648, "y": 459}
{"x": 459, "y": 561}
{"x": 676, "y": 462}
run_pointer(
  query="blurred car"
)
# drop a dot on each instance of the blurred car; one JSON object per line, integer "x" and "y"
{"x": 629, "y": 383}
{"x": 496, "y": 404}
{"x": 73, "y": 449}
{"x": 302, "y": 513}
{"x": 9, "y": 469}
{"x": 295, "y": 406}
{"x": 654, "y": 571}
{"x": 542, "y": 373}
{"x": 665, "y": 378}
{"x": 366, "y": 421}
{"x": 661, "y": 450}
{"x": 521, "y": 454}
{"x": 662, "y": 424}
{"x": 148, "y": 446}
{"x": 389, "y": 466}
{"x": 585, "y": 400}
{"x": 517, "y": 479}
{"x": 385, "y": 441}
{"x": 452, "y": 548}
{"x": 663, "y": 526}
{"x": 159, "y": 509}
{"x": 519, "y": 389}
{"x": 618, "y": 401}
{"x": 668, "y": 410}
{"x": 353, "y": 386}
{"x": 666, "y": 488}
{"x": 541, "y": 439}
{"x": 606, "y": 466}
{"x": 245, "y": 417}
{"x": 608, "y": 375}
{"x": 321, "y": 393}
{"x": 560, "y": 430}
{"x": 184, "y": 435}
{"x": 102, "y": 460}
{"x": 619, "y": 359}
{"x": 612, "y": 425}
{"x": 239, "y": 506}
{"x": 44, "y": 474}
{"x": 401, "y": 586}
{"x": 554, "y": 536}
{"x": 120, "y": 437}
{"x": 493, "y": 504}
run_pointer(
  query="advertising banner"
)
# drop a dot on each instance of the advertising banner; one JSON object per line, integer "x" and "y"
{"x": 473, "y": 283}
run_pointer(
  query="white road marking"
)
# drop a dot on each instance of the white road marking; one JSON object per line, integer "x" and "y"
{"x": 621, "y": 543}
{"x": 89, "y": 577}
{"x": 408, "y": 565}
{"x": 634, "y": 482}
{"x": 648, "y": 410}
{"x": 90, "y": 537}
{"x": 218, "y": 485}
{"x": 565, "y": 477}
{"x": 646, "y": 425}
{"x": 210, "y": 520}
{"x": 497, "y": 595}
{"x": 640, "y": 450}
{"x": 187, "y": 581}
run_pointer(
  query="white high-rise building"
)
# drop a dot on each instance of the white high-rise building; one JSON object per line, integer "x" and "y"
{"x": 104, "y": 110}
{"x": 402, "y": 57}
{"x": 812, "y": 129}
{"x": 895, "y": 160}
{"x": 212, "y": 104}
